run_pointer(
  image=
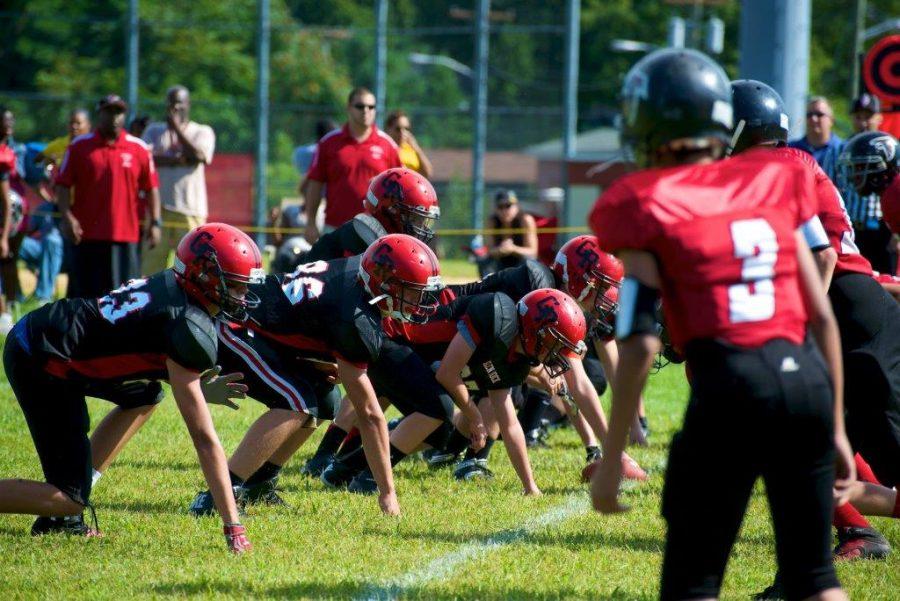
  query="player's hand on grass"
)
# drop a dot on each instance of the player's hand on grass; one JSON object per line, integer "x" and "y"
{"x": 605, "y": 485}
{"x": 845, "y": 469}
{"x": 220, "y": 390}
{"x": 236, "y": 538}
{"x": 389, "y": 504}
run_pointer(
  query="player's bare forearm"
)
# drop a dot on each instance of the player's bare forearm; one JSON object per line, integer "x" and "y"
{"x": 826, "y": 260}
{"x": 448, "y": 373}
{"x": 586, "y": 399}
{"x": 635, "y": 359}
{"x": 312, "y": 198}
{"x": 513, "y": 438}
{"x": 5, "y": 209}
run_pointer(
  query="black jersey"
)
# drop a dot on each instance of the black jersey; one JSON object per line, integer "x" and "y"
{"x": 322, "y": 308}
{"x": 126, "y": 335}
{"x": 515, "y": 282}
{"x": 352, "y": 238}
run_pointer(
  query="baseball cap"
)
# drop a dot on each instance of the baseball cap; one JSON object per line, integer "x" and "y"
{"x": 112, "y": 101}
{"x": 866, "y": 102}
{"x": 506, "y": 196}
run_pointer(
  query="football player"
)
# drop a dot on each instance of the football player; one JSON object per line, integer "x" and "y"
{"x": 157, "y": 328}
{"x": 867, "y": 316}
{"x": 722, "y": 243}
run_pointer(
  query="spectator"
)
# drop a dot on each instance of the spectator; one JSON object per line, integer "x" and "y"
{"x": 412, "y": 156}
{"x": 12, "y": 213}
{"x": 79, "y": 124}
{"x": 138, "y": 126}
{"x": 819, "y": 140}
{"x": 873, "y": 238}
{"x": 42, "y": 251}
{"x": 181, "y": 149}
{"x": 347, "y": 159}
{"x": 106, "y": 168}
{"x": 509, "y": 250}
{"x": 303, "y": 155}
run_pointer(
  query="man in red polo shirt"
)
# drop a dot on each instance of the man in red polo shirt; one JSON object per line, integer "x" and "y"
{"x": 347, "y": 159}
{"x": 106, "y": 168}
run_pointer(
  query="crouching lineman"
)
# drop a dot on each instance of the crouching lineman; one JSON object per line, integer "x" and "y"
{"x": 722, "y": 242}
{"x": 158, "y": 328}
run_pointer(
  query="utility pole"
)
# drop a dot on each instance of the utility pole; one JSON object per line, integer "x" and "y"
{"x": 570, "y": 119}
{"x": 858, "y": 41}
{"x": 479, "y": 112}
{"x": 132, "y": 38}
{"x": 263, "y": 34}
{"x": 381, "y": 19}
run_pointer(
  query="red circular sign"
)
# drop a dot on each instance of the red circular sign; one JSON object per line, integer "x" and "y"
{"x": 881, "y": 69}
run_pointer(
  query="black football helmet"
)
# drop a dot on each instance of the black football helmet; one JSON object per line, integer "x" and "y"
{"x": 869, "y": 161}
{"x": 759, "y": 115}
{"x": 674, "y": 94}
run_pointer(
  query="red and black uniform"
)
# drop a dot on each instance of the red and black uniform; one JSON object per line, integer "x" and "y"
{"x": 352, "y": 238}
{"x": 723, "y": 235}
{"x": 66, "y": 350}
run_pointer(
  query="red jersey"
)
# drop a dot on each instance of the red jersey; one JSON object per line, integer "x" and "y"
{"x": 723, "y": 235}
{"x": 347, "y": 167}
{"x": 107, "y": 178}
{"x": 9, "y": 171}
{"x": 833, "y": 215}
{"x": 890, "y": 205}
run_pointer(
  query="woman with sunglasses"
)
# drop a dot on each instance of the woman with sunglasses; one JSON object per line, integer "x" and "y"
{"x": 513, "y": 248}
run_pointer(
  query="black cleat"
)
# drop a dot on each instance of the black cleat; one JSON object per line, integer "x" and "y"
{"x": 536, "y": 438}
{"x": 593, "y": 453}
{"x": 316, "y": 465}
{"x": 73, "y": 525}
{"x": 265, "y": 493}
{"x": 203, "y": 503}
{"x": 337, "y": 475}
{"x": 645, "y": 426}
{"x": 472, "y": 469}
{"x": 438, "y": 458}
{"x": 363, "y": 483}
{"x": 860, "y": 543}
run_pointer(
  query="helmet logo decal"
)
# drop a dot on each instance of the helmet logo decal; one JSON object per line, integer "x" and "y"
{"x": 587, "y": 255}
{"x": 636, "y": 88}
{"x": 886, "y": 145}
{"x": 391, "y": 186}
{"x": 200, "y": 244}
{"x": 546, "y": 311}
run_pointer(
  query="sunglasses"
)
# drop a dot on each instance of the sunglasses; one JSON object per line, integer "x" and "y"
{"x": 812, "y": 114}
{"x": 505, "y": 205}
{"x": 360, "y": 106}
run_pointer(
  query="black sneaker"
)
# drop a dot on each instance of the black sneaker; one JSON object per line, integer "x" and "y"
{"x": 472, "y": 469}
{"x": 773, "y": 592}
{"x": 316, "y": 465}
{"x": 592, "y": 454}
{"x": 203, "y": 503}
{"x": 337, "y": 475}
{"x": 438, "y": 458}
{"x": 73, "y": 525}
{"x": 536, "y": 438}
{"x": 363, "y": 483}
{"x": 265, "y": 493}
{"x": 860, "y": 543}
{"x": 645, "y": 425}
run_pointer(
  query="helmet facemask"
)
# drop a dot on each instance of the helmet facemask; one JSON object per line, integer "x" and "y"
{"x": 605, "y": 308}
{"x": 869, "y": 174}
{"x": 409, "y": 301}
{"x": 213, "y": 283}
{"x": 415, "y": 221}
{"x": 554, "y": 350}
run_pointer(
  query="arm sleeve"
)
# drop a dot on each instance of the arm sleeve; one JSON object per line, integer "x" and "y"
{"x": 618, "y": 221}
{"x": 359, "y": 342}
{"x": 815, "y": 234}
{"x": 192, "y": 341}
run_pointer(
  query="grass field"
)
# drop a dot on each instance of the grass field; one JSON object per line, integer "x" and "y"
{"x": 481, "y": 541}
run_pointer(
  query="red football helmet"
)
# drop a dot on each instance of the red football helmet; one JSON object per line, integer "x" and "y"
{"x": 552, "y": 329}
{"x": 404, "y": 202}
{"x": 214, "y": 257}
{"x": 403, "y": 277}
{"x": 582, "y": 267}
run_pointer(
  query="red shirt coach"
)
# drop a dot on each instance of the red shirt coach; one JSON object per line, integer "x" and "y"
{"x": 107, "y": 178}
{"x": 347, "y": 167}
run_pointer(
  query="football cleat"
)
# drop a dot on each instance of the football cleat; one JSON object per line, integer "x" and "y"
{"x": 472, "y": 469}
{"x": 537, "y": 438}
{"x": 860, "y": 543}
{"x": 337, "y": 475}
{"x": 203, "y": 503}
{"x": 265, "y": 493}
{"x": 645, "y": 426}
{"x": 363, "y": 483}
{"x": 316, "y": 465}
{"x": 71, "y": 524}
{"x": 438, "y": 458}
{"x": 593, "y": 453}
{"x": 393, "y": 423}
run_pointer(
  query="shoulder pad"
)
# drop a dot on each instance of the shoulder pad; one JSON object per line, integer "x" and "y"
{"x": 368, "y": 228}
{"x": 192, "y": 340}
{"x": 506, "y": 321}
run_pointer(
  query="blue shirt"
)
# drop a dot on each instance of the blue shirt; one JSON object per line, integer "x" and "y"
{"x": 826, "y": 156}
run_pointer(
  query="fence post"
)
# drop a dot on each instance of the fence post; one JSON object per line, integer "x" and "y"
{"x": 570, "y": 94}
{"x": 132, "y": 40}
{"x": 263, "y": 33}
{"x": 381, "y": 18}
{"x": 479, "y": 112}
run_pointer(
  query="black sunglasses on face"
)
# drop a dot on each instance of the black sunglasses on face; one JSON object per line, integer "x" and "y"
{"x": 812, "y": 114}
{"x": 361, "y": 106}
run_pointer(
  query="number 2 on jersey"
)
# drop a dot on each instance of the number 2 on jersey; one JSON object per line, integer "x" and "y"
{"x": 756, "y": 244}
{"x": 123, "y": 301}
{"x": 299, "y": 288}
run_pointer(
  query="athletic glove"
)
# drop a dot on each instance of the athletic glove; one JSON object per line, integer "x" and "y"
{"x": 219, "y": 390}
{"x": 236, "y": 537}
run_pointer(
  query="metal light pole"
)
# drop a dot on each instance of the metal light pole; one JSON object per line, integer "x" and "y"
{"x": 132, "y": 37}
{"x": 479, "y": 112}
{"x": 570, "y": 117}
{"x": 381, "y": 17}
{"x": 263, "y": 34}
{"x": 859, "y": 39}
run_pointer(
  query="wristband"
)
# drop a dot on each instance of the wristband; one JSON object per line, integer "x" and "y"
{"x": 156, "y": 223}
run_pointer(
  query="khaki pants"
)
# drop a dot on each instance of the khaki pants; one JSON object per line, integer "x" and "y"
{"x": 175, "y": 226}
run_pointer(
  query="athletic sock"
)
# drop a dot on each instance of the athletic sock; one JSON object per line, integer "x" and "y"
{"x": 352, "y": 442}
{"x": 457, "y": 442}
{"x": 355, "y": 460}
{"x": 235, "y": 479}
{"x": 266, "y": 472}
{"x": 864, "y": 470}
{"x": 847, "y": 516}
{"x": 483, "y": 453}
{"x": 95, "y": 475}
{"x": 396, "y": 455}
{"x": 533, "y": 410}
{"x": 438, "y": 439}
{"x": 332, "y": 440}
